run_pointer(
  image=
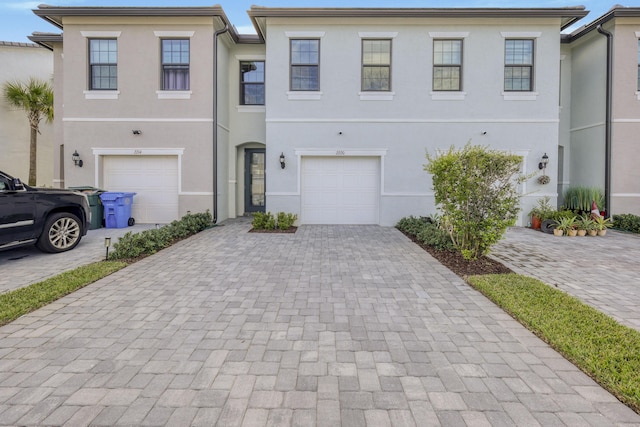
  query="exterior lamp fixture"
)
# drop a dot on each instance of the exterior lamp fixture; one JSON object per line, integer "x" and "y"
{"x": 76, "y": 159}
{"x": 543, "y": 162}
{"x": 282, "y": 165}
{"x": 107, "y": 243}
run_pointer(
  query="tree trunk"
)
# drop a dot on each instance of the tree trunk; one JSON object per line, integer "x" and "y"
{"x": 33, "y": 156}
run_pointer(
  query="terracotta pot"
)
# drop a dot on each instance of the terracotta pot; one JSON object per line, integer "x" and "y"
{"x": 557, "y": 232}
{"x": 572, "y": 233}
{"x": 582, "y": 233}
{"x": 592, "y": 232}
{"x": 602, "y": 232}
{"x": 536, "y": 222}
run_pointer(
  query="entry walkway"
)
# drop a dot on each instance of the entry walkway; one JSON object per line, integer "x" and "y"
{"x": 333, "y": 325}
{"x": 603, "y": 272}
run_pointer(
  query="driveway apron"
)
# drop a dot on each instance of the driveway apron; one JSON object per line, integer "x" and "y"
{"x": 333, "y": 325}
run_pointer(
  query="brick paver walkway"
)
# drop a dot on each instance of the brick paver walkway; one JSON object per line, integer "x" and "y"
{"x": 333, "y": 325}
{"x": 601, "y": 271}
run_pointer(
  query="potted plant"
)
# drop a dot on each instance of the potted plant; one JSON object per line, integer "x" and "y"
{"x": 563, "y": 225}
{"x": 601, "y": 224}
{"x": 584, "y": 224}
{"x": 541, "y": 212}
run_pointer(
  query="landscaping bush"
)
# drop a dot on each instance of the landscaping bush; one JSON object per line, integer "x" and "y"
{"x": 412, "y": 225}
{"x": 151, "y": 241}
{"x": 267, "y": 221}
{"x": 475, "y": 189}
{"x": 434, "y": 236}
{"x": 627, "y": 222}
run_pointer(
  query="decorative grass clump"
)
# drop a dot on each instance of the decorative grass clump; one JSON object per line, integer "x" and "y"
{"x": 604, "y": 349}
{"x": 21, "y": 301}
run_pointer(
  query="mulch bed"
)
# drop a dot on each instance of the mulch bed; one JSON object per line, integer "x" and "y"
{"x": 276, "y": 231}
{"x": 455, "y": 262}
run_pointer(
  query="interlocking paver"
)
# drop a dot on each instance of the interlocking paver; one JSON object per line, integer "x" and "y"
{"x": 334, "y": 324}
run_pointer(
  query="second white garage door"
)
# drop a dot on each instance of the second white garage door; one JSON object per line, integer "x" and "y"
{"x": 340, "y": 190}
{"x": 154, "y": 179}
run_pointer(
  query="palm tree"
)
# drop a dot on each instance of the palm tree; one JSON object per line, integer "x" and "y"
{"x": 36, "y": 98}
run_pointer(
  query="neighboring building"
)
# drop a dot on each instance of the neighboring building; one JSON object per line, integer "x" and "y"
{"x": 21, "y": 61}
{"x": 334, "y": 107}
{"x": 586, "y": 127}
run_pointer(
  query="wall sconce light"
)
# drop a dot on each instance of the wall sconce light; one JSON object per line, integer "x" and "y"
{"x": 136, "y": 132}
{"x": 543, "y": 162}
{"x": 76, "y": 159}
{"x": 282, "y": 165}
{"x": 107, "y": 243}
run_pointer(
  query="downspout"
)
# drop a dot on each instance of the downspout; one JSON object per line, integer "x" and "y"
{"x": 215, "y": 121}
{"x": 607, "y": 137}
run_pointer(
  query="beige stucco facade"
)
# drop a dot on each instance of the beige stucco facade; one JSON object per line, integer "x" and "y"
{"x": 20, "y": 62}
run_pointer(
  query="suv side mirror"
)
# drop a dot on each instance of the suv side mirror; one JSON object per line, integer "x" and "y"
{"x": 17, "y": 184}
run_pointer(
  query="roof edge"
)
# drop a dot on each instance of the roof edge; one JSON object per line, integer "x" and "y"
{"x": 615, "y": 12}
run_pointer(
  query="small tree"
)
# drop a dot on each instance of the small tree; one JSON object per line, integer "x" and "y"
{"x": 36, "y": 98}
{"x": 475, "y": 189}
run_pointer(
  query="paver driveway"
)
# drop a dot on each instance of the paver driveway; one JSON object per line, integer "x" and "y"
{"x": 351, "y": 325}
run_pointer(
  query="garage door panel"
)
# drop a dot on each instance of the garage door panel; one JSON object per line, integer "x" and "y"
{"x": 154, "y": 179}
{"x": 340, "y": 190}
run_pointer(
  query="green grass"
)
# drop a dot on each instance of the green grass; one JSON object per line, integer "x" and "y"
{"x": 604, "y": 349}
{"x": 16, "y": 303}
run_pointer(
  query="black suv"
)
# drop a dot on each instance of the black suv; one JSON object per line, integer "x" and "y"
{"x": 55, "y": 220}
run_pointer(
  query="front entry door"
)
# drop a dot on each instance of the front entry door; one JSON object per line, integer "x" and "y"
{"x": 254, "y": 180}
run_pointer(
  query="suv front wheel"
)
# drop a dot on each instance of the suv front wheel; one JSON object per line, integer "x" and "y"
{"x": 62, "y": 232}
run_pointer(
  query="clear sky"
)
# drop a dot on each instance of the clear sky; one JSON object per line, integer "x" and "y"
{"x": 17, "y": 21}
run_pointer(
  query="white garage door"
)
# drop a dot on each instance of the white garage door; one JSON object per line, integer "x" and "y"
{"x": 340, "y": 190}
{"x": 154, "y": 179}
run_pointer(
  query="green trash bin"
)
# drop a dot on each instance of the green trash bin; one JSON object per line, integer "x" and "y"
{"x": 95, "y": 204}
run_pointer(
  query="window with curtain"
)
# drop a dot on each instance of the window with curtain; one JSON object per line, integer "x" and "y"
{"x": 175, "y": 64}
{"x": 251, "y": 82}
{"x": 518, "y": 65}
{"x": 103, "y": 64}
{"x": 305, "y": 64}
{"x": 376, "y": 65}
{"x": 447, "y": 65}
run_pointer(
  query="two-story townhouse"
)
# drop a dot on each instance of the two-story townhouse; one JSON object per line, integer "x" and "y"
{"x": 356, "y": 97}
{"x": 326, "y": 113}
{"x": 599, "y": 137}
{"x": 142, "y": 96}
{"x": 20, "y": 62}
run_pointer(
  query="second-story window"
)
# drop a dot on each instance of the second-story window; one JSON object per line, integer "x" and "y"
{"x": 251, "y": 82}
{"x": 103, "y": 64}
{"x": 447, "y": 65}
{"x": 305, "y": 64}
{"x": 376, "y": 65}
{"x": 175, "y": 64}
{"x": 518, "y": 65}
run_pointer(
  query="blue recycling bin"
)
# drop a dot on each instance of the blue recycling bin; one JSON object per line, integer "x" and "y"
{"x": 117, "y": 209}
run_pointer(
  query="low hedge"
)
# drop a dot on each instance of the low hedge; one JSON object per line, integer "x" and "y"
{"x": 151, "y": 241}
{"x": 627, "y": 222}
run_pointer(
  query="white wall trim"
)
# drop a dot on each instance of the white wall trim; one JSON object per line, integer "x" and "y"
{"x": 625, "y": 194}
{"x": 174, "y": 94}
{"x": 135, "y": 119}
{"x": 448, "y": 96}
{"x": 638, "y": 34}
{"x": 251, "y": 57}
{"x": 251, "y": 108}
{"x": 174, "y": 33}
{"x": 377, "y": 34}
{"x": 100, "y": 34}
{"x": 520, "y": 34}
{"x": 304, "y": 95}
{"x": 627, "y": 120}
{"x": 401, "y": 194}
{"x": 426, "y": 121}
{"x": 591, "y": 126}
{"x": 520, "y": 96}
{"x": 448, "y": 34}
{"x": 376, "y": 96}
{"x": 101, "y": 94}
{"x": 195, "y": 193}
{"x": 304, "y": 34}
{"x": 341, "y": 152}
